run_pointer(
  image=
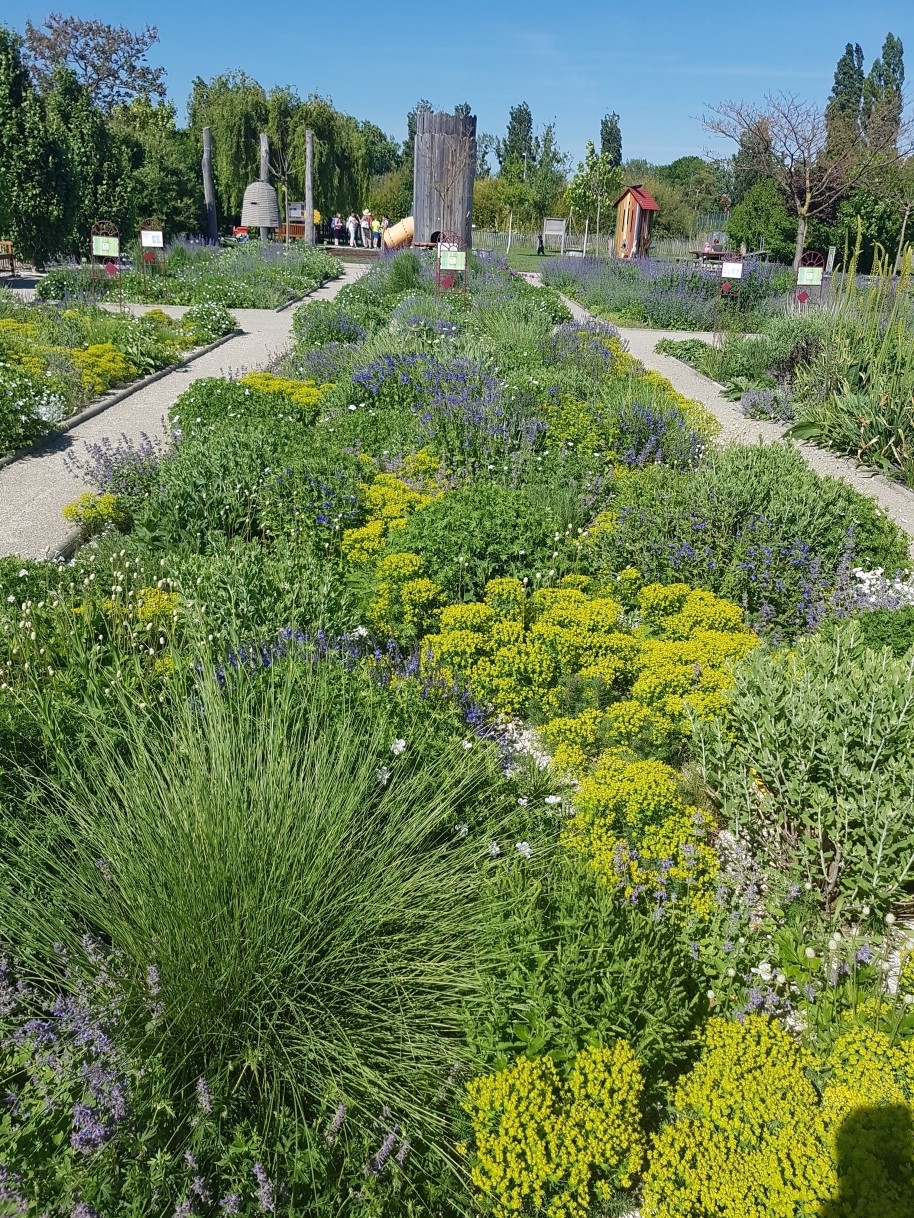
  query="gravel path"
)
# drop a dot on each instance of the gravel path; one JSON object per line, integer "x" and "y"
{"x": 35, "y": 489}
{"x": 896, "y": 501}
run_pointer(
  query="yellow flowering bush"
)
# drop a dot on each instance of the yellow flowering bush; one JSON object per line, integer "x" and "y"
{"x": 93, "y": 512}
{"x": 544, "y": 1145}
{"x": 524, "y": 653}
{"x": 698, "y": 417}
{"x": 306, "y": 394}
{"x": 388, "y": 501}
{"x": 406, "y": 602}
{"x": 753, "y": 1137}
{"x": 636, "y": 830}
{"x": 156, "y": 605}
{"x": 101, "y": 365}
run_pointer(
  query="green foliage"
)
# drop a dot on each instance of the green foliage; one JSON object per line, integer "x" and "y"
{"x": 761, "y": 221}
{"x": 27, "y": 408}
{"x": 888, "y": 628}
{"x": 811, "y": 765}
{"x": 752, "y": 524}
{"x": 477, "y": 533}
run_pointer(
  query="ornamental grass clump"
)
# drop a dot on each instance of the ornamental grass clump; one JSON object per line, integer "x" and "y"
{"x": 287, "y": 868}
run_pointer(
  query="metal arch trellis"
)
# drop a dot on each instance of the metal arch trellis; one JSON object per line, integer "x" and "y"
{"x": 450, "y": 262}
{"x": 105, "y": 251}
{"x": 152, "y": 250}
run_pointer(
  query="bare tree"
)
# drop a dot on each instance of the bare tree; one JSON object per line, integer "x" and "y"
{"x": 109, "y": 60}
{"x": 814, "y": 162}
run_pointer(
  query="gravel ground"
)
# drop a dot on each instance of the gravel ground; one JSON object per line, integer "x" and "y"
{"x": 35, "y": 489}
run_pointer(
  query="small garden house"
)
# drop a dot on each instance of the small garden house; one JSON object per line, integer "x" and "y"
{"x": 635, "y": 209}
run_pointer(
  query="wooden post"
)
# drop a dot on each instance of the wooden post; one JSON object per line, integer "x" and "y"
{"x": 264, "y": 175}
{"x": 209, "y": 192}
{"x": 444, "y": 169}
{"x": 309, "y": 187}
{"x": 586, "y": 230}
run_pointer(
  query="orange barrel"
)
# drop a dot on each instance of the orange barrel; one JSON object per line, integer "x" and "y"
{"x": 399, "y": 234}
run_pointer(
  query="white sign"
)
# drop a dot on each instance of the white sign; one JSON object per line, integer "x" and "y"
{"x": 554, "y": 228}
{"x": 731, "y": 270}
{"x": 830, "y": 263}
{"x": 151, "y": 238}
{"x": 296, "y": 211}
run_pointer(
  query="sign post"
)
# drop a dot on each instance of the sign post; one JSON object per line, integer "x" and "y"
{"x": 731, "y": 278}
{"x": 451, "y": 263}
{"x": 556, "y": 228}
{"x": 105, "y": 256}
{"x": 810, "y": 274}
{"x": 152, "y": 245}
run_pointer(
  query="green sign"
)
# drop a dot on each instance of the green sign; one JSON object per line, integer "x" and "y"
{"x": 106, "y": 247}
{"x": 453, "y": 260}
{"x": 809, "y": 277}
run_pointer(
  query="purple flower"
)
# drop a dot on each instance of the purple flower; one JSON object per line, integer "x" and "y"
{"x": 204, "y": 1098}
{"x": 265, "y": 1193}
{"x": 230, "y": 1203}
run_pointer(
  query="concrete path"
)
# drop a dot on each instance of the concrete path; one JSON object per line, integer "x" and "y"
{"x": 896, "y": 501}
{"x": 35, "y": 489}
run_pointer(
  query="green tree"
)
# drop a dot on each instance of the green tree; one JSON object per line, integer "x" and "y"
{"x": 34, "y": 177}
{"x": 382, "y": 152}
{"x": 847, "y": 90}
{"x": 760, "y": 221}
{"x": 423, "y": 104}
{"x": 883, "y": 98}
{"x": 545, "y": 181}
{"x": 592, "y": 189}
{"x": 518, "y": 150}
{"x": 165, "y": 167}
{"x": 611, "y": 138}
{"x": 235, "y": 107}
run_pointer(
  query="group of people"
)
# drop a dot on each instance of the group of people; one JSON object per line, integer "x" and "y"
{"x": 365, "y": 230}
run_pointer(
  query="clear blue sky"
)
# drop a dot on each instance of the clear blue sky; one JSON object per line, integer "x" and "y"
{"x": 657, "y": 65}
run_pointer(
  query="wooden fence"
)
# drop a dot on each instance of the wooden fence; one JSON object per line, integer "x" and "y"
{"x": 497, "y": 239}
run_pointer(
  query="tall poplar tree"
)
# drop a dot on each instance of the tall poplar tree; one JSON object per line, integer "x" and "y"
{"x": 611, "y": 138}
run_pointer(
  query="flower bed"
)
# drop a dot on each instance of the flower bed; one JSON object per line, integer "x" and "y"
{"x": 452, "y": 784}
{"x": 242, "y": 277}
{"x": 54, "y": 361}
{"x": 668, "y": 295}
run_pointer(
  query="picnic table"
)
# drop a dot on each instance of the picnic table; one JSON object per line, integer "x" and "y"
{"x": 7, "y": 262}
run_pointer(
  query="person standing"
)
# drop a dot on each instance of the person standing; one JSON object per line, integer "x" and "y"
{"x": 336, "y": 227}
{"x": 375, "y": 233}
{"x": 352, "y": 225}
{"x": 366, "y": 228}
{"x": 385, "y": 225}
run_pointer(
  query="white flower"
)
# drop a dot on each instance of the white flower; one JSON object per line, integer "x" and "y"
{"x": 382, "y": 774}
{"x": 524, "y": 849}
{"x": 764, "y": 970}
{"x": 23, "y": 573}
{"x": 731, "y": 972}
{"x": 553, "y": 799}
{"x": 398, "y": 747}
{"x": 468, "y": 744}
{"x": 522, "y": 802}
{"x": 462, "y": 829}
{"x": 710, "y": 995}
{"x": 780, "y": 979}
{"x": 494, "y": 850}
{"x": 890, "y": 919}
{"x": 832, "y": 945}
{"x": 360, "y": 632}
{"x": 810, "y": 953}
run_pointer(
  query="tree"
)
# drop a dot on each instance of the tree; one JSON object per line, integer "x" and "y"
{"x": 517, "y": 150}
{"x": 545, "y": 179}
{"x": 109, "y": 61}
{"x": 33, "y": 171}
{"x": 409, "y": 144}
{"x": 812, "y": 166}
{"x": 485, "y": 146}
{"x": 383, "y": 153}
{"x": 165, "y": 167}
{"x": 882, "y": 101}
{"x": 596, "y": 183}
{"x": 847, "y": 91}
{"x": 611, "y": 138}
{"x": 701, "y": 183}
{"x": 235, "y": 107}
{"x": 760, "y": 221}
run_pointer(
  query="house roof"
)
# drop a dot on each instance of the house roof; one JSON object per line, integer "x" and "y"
{"x": 642, "y": 197}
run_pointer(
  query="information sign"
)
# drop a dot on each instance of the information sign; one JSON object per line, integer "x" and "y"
{"x": 809, "y": 276}
{"x": 830, "y": 263}
{"x": 106, "y": 247}
{"x": 453, "y": 260}
{"x": 151, "y": 238}
{"x": 731, "y": 270}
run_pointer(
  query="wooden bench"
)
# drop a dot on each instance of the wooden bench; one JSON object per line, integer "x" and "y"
{"x": 7, "y": 262}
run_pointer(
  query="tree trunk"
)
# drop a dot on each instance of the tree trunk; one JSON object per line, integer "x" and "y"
{"x": 904, "y": 225}
{"x": 209, "y": 191}
{"x": 599, "y": 201}
{"x": 802, "y": 225}
{"x": 264, "y": 175}
{"x": 309, "y": 187}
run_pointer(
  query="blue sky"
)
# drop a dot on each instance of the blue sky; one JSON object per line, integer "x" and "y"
{"x": 657, "y": 65}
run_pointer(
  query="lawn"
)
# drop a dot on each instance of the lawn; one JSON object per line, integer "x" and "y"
{"x": 454, "y": 783}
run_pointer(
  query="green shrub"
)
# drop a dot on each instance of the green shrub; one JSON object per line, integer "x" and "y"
{"x": 477, "y": 533}
{"x": 812, "y": 765}
{"x": 891, "y": 628}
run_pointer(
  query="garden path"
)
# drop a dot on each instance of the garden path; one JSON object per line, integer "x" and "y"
{"x": 896, "y": 501}
{"x": 35, "y": 489}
